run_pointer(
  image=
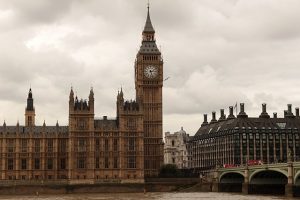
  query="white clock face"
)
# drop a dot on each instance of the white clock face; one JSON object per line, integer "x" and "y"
{"x": 151, "y": 71}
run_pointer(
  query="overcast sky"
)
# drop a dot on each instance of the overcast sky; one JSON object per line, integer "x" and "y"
{"x": 216, "y": 53}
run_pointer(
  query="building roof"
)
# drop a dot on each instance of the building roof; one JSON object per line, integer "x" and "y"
{"x": 255, "y": 125}
{"x": 107, "y": 124}
{"x": 149, "y": 47}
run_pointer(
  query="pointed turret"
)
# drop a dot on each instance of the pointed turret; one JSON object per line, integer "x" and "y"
{"x": 29, "y": 110}
{"x": 4, "y": 124}
{"x": 71, "y": 97}
{"x": 148, "y": 26}
{"x": 29, "y": 106}
{"x": 91, "y": 100}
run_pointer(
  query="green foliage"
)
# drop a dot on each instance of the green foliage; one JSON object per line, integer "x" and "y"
{"x": 169, "y": 171}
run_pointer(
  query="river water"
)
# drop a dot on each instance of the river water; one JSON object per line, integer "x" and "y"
{"x": 147, "y": 196}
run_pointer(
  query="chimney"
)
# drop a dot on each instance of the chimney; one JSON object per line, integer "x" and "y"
{"x": 289, "y": 113}
{"x": 264, "y": 113}
{"x": 289, "y": 108}
{"x": 104, "y": 117}
{"x": 231, "y": 116}
{"x": 222, "y": 115}
{"x": 205, "y": 120}
{"x": 213, "y": 120}
{"x": 274, "y": 115}
{"x": 297, "y": 112}
{"x": 242, "y": 113}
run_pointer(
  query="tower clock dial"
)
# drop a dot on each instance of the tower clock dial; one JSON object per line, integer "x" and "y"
{"x": 151, "y": 71}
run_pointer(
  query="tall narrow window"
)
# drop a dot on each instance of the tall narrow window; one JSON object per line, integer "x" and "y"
{"x": 97, "y": 166}
{"x": 23, "y": 164}
{"x": 36, "y": 163}
{"x": 23, "y": 145}
{"x": 10, "y": 164}
{"x": 81, "y": 145}
{"x": 62, "y": 145}
{"x": 106, "y": 145}
{"x": 115, "y": 162}
{"x": 115, "y": 144}
{"x": 36, "y": 145}
{"x": 50, "y": 145}
{"x": 10, "y": 145}
{"x": 131, "y": 144}
{"x": 81, "y": 163}
{"x": 106, "y": 164}
{"x": 131, "y": 162}
{"x": 50, "y": 163}
{"x": 62, "y": 163}
{"x": 97, "y": 145}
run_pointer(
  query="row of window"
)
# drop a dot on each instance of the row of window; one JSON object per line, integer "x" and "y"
{"x": 24, "y": 164}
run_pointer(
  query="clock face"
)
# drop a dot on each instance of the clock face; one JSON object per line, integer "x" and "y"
{"x": 151, "y": 71}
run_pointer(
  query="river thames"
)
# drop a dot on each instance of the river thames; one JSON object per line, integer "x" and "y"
{"x": 152, "y": 196}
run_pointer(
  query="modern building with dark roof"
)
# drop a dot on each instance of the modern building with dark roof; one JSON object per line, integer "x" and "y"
{"x": 90, "y": 150}
{"x": 237, "y": 140}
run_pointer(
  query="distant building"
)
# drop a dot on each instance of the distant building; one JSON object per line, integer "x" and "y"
{"x": 242, "y": 140}
{"x": 175, "y": 149}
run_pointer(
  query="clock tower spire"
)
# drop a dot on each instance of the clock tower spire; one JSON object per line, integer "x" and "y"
{"x": 148, "y": 85}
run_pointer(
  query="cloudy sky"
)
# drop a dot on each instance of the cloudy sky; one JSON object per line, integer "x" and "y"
{"x": 216, "y": 53}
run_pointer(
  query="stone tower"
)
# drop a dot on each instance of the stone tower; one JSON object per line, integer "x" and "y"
{"x": 29, "y": 111}
{"x": 81, "y": 143}
{"x": 148, "y": 85}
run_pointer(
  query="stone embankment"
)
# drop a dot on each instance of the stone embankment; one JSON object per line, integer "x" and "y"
{"x": 150, "y": 185}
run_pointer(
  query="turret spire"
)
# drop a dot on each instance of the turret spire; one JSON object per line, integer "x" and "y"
{"x": 29, "y": 106}
{"x": 148, "y": 26}
{"x": 29, "y": 110}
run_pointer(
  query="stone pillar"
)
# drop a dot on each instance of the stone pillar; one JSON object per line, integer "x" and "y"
{"x": 289, "y": 185}
{"x": 215, "y": 181}
{"x": 245, "y": 185}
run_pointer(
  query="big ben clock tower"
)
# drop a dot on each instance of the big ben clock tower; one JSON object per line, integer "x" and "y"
{"x": 148, "y": 85}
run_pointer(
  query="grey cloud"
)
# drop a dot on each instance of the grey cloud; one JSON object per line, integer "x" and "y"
{"x": 216, "y": 53}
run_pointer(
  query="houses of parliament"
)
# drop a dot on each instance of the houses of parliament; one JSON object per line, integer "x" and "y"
{"x": 90, "y": 150}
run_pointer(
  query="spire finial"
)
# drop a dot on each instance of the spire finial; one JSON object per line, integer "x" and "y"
{"x": 148, "y": 26}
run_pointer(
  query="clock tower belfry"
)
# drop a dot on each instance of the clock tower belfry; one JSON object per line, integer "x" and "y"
{"x": 148, "y": 85}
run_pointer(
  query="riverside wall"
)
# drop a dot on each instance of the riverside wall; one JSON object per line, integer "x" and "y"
{"x": 150, "y": 185}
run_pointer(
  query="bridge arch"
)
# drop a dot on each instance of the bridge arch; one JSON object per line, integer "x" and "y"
{"x": 267, "y": 170}
{"x": 224, "y": 174}
{"x": 268, "y": 181}
{"x": 231, "y": 181}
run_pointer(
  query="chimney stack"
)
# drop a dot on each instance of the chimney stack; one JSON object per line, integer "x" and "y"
{"x": 264, "y": 113}
{"x": 289, "y": 113}
{"x": 297, "y": 112}
{"x": 242, "y": 113}
{"x": 289, "y": 108}
{"x": 205, "y": 120}
{"x": 231, "y": 116}
{"x": 213, "y": 120}
{"x": 222, "y": 115}
{"x": 274, "y": 115}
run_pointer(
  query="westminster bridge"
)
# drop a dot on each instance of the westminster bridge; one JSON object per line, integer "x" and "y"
{"x": 279, "y": 178}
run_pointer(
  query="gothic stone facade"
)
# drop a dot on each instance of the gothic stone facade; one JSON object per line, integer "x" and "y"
{"x": 175, "y": 149}
{"x": 236, "y": 140}
{"x": 91, "y": 150}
